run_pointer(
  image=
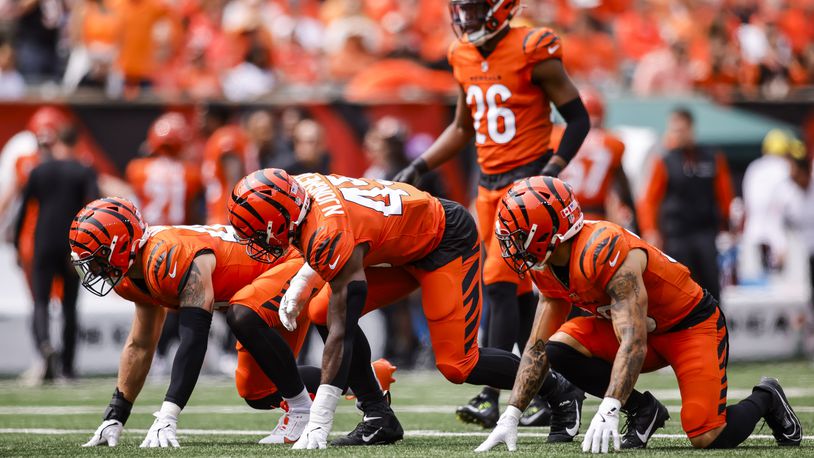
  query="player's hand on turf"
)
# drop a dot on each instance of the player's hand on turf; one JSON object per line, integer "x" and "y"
{"x": 319, "y": 425}
{"x": 504, "y": 433}
{"x": 313, "y": 437}
{"x": 604, "y": 426}
{"x": 106, "y": 434}
{"x": 162, "y": 433}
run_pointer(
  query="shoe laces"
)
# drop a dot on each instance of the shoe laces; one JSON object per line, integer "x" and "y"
{"x": 630, "y": 417}
{"x": 482, "y": 402}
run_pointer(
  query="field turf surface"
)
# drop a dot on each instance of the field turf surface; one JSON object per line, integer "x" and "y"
{"x": 54, "y": 420}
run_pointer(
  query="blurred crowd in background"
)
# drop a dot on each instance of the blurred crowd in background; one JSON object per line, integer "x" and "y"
{"x": 245, "y": 49}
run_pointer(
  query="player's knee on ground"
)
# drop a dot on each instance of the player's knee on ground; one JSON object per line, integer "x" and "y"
{"x": 452, "y": 372}
{"x": 269, "y": 402}
{"x": 693, "y": 419}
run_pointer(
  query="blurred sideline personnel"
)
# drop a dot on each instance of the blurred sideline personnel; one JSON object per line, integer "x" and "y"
{"x": 60, "y": 185}
{"x": 44, "y": 126}
{"x": 374, "y": 242}
{"x": 686, "y": 202}
{"x": 225, "y": 162}
{"x": 656, "y": 316}
{"x": 167, "y": 187}
{"x": 192, "y": 269}
{"x": 596, "y": 173}
{"x": 764, "y": 226}
{"x": 508, "y": 78}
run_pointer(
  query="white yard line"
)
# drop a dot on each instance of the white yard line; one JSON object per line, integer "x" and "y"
{"x": 243, "y": 410}
{"x": 243, "y": 432}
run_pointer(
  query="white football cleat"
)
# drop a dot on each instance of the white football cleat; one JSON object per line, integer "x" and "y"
{"x": 289, "y": 428}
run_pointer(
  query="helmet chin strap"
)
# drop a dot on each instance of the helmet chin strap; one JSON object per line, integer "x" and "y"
{"x": 480, "y": 37}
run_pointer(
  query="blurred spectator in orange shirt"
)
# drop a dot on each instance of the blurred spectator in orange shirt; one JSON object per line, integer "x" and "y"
{"x": 592, "y": 54}
{"x": 94, "y": 30}
{"x": 637, "y": 31}
{"x": 196, "y": 79}
{"x": 137, "y": 46}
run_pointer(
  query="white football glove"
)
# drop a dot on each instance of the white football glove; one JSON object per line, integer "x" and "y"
{"x": 505, "y": 432}
{"x": 604, "y": 425}
{"x": 298, "y": 294}
{"x": 319, "y": 425}
{"x": 162, "y": 432}
{"x": 107, "y": 433}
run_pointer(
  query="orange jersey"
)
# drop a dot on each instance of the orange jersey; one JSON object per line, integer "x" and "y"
{"x": 597, "y": 252}
{"x": 165, "y": 187}
{"x": 401, "y": 223}
{"x": 511, "y": 114}
{"x": 591, "y": 173}
{"x": 168, "y": 255}
{"x": 226, "y": 141}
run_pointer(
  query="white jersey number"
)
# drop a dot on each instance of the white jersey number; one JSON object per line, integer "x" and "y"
{"x": 165, "y": 191}
{"x": 381, "y": 198}
{"x": 489, "y": 104}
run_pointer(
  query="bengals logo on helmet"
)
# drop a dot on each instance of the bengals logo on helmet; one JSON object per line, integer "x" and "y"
{"x": 533, "y": 218}
{"x": 476, "y": 21}
{"x": 266, "y": 208}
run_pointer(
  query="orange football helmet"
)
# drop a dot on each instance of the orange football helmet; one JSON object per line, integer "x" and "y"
{"x": 168, "y": 134}
{"x": 105, "y": 237}
{"x": 46, "y": 123}
{"x": 266, "y": 209}
{"x": 476, "y": 21}
{"x": 533, "y": 218}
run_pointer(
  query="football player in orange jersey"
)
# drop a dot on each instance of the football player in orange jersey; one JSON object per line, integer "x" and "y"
{"x": 225, "y": 162}
{"x": 646, "y": 313}
{"x": 167, "y": 188}
{"x": 508, "y": 78}
{"x": 596, "y": 171}
{"x": 192, "y": 269}
{"x": 374, "y": 242}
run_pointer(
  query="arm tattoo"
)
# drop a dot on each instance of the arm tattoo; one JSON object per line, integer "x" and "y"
{"x": 194, "y": 293}
{"x": 628, "y": 312}
{"x": 530, "y": 375}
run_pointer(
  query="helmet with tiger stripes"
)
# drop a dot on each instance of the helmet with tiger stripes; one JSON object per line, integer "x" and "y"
{"x": 533, "y": 218}
{"x": 105, "y": 237}
{"x": 266, "y": 208}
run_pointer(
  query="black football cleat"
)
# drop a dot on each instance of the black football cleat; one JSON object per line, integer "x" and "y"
{"x": 481, "y": 410}
{"x": 376, "y": 428}
{"x": 782, "y": 420}
{"x": 643, "y": 422}
{"x": 538, "y": 413}
{"x": 565, "y": 416}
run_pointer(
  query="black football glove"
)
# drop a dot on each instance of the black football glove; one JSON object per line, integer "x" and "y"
{"x": 412, "y": 173}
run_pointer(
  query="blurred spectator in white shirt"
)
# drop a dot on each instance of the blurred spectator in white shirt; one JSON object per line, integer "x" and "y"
{"x": 12, "y": 85}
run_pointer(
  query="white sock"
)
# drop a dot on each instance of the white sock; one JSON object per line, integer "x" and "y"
{"x": 300, "y": 403}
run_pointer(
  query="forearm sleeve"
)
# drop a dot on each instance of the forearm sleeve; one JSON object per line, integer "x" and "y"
{"x": 578, "y": 125}
{"x": 193, "y": 324}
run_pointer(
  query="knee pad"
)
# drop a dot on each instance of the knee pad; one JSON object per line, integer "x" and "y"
{"x": 452, "y": 373}
{"x": 560, "y": 354}
{"x": 269, "y": 402}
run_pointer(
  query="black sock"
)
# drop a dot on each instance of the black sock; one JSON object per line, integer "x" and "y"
{"x": 503, "y": 314}
{"x": 496, "y": 368}
{"x": 741, "y": 419}
{"x": 526, "y": 308}
{"x": 591, "y": 375}
{"x": 361, "y": 379}
{"x": 267, "y": 347}
{"x": 311, "y": 377}
{"x": 490, "y": 393}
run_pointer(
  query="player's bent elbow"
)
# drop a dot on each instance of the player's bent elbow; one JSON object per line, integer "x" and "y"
{"x": 452, "y": 373}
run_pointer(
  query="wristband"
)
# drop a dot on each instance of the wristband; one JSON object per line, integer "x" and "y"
{"x": 170, "y": 409}
{"x": 119, "y": 408}
{"x": 513, "y": 413}
{"x": 421, "y": 165}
